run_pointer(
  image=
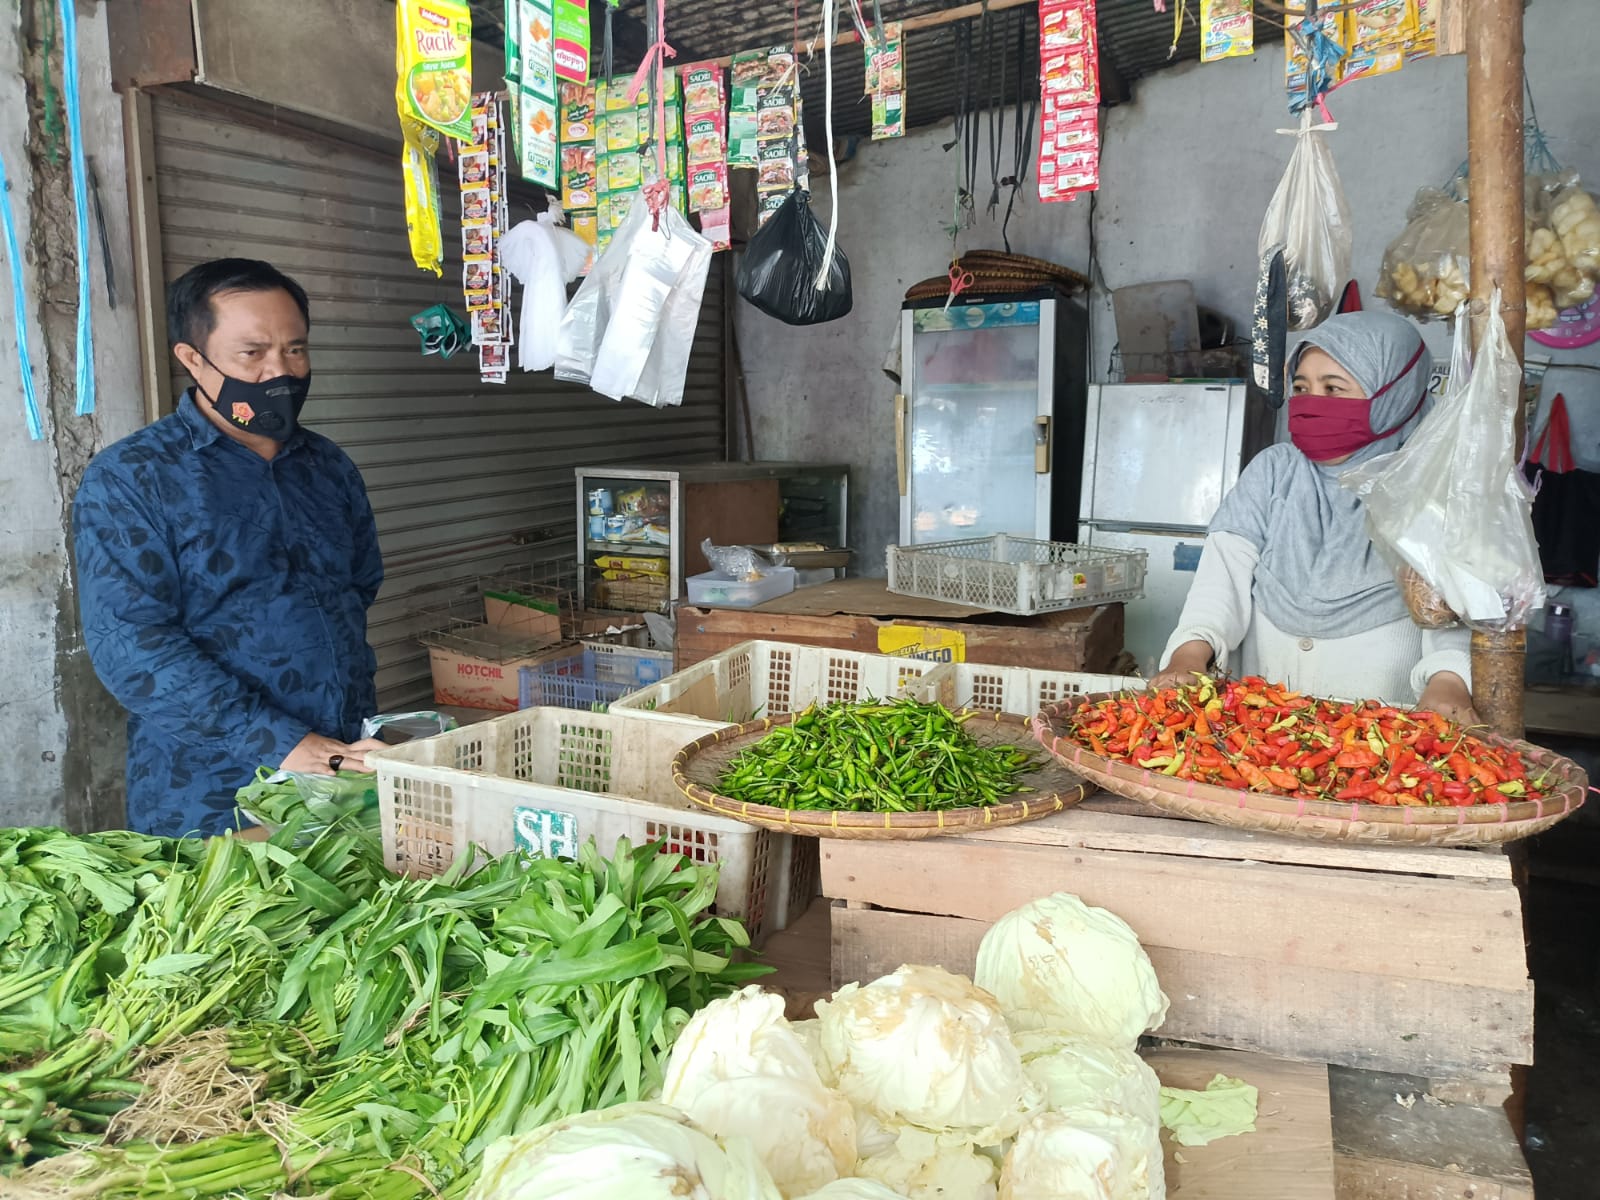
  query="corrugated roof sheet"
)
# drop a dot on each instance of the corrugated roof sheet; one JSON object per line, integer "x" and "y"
{"x": 1135, "y": 40}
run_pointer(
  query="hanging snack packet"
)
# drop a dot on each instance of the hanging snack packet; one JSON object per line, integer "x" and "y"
{"x": 744, "y": 80}
{"x": 433, "y": 61}
{"x": 422, "y": 195}
{"x": 572, "y": 40}
{"x": 1069, "y": 80}
{"x": 1377, "y": 32}
{"x": 886, "y": 82}
{"x": 1425, "y": 42}
{"x": 537, "y": 116}
{"x": 1227, "y": 29}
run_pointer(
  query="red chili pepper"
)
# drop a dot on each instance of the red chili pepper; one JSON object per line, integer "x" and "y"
{"x": 1351, "y": 759}
{"x": 1358, "y": 790}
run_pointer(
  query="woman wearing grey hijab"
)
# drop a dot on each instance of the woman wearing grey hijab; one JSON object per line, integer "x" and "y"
{"x": 1290, "y": 585}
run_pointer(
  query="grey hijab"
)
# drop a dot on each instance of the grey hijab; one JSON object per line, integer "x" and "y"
{"x": 1318, "y": 574}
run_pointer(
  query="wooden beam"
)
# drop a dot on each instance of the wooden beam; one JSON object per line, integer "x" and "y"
{"x": 949, "y": 16}
{"x": 1495, "y": 166}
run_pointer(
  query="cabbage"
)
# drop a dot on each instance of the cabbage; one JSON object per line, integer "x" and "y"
{"x": 924, "y": 1047}
{"x": 739, "y": 1070}
{"x": 739, "y": 1035}
{"x": 922, "y": 1166}
{"x": 804, "y": 1134}
{"x": 1058, "y": 965}
{"x": 810, "y": 1032}
{"x": 1086, "y": 1155}
{"x": 853, "y": 1189}
{"x": 630, "y": 1152}
{"x": 1079, "y": 1074}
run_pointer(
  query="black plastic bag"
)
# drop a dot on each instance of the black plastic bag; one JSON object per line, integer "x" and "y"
{"x": 781, "y": 264}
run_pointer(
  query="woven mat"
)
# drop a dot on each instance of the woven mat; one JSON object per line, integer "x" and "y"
{"x": 996, "y": 272}
{"x": 1050, "y": 786}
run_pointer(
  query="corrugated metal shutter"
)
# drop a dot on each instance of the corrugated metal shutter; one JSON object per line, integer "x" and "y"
{"x": 466, "y": 479}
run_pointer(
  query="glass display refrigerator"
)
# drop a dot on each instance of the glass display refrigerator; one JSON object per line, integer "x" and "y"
{"x": 989, "y": 425}
{"x": 640, "y": 528}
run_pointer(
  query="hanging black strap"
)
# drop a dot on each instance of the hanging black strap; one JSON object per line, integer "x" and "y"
{"x": 995, "y": 75}
{"x": 608, "y": 55}
{"x": 1022, "y": 132}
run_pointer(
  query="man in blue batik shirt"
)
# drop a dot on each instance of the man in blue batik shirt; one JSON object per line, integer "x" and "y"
{"x": 226, "y": 561}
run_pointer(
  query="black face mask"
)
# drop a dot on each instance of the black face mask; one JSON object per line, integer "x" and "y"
{"x": 270, "y": 408}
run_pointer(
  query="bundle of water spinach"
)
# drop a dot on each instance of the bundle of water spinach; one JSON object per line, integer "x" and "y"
{"x": 891, "y": 756}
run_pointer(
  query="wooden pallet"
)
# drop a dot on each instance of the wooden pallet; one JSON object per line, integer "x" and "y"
{"x": 1381, "y": 958}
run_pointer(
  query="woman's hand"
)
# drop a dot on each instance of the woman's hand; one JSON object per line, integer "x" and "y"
{"x": 318, "y": 755}
{"x": 1188, "y": 660}
{"x": 1448, "y": 695}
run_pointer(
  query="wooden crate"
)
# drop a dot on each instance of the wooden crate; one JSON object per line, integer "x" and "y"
{"x": 860, "y": 614}
{"x": 1381, "y": 958}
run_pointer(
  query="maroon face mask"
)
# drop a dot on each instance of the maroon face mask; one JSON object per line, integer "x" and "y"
{"x": 1329, "y": 427}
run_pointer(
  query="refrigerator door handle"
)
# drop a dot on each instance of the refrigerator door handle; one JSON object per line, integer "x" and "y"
{"x": 900, "y": 441}
{"x": 1041, "y": 445}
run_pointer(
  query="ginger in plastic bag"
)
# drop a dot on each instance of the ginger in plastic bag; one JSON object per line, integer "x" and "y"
{"x": 1451, "y": 505}
{"x": 1426, "y": 270}
{"x": 1309, "y": 218}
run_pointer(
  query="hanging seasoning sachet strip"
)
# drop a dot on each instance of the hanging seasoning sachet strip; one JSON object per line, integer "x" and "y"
{"x": 705, "y": 126}
{"x": 80, "y": 202}
{"x": 485, "y": 284}
{"x": 1069, "y": 76}
{"x": 886, "y": 81}
{"x": 538, "y": 123}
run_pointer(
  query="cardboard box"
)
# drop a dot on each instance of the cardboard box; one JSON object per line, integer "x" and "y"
{"x": 464, "y": 680}
{"x": 521, "y": 615}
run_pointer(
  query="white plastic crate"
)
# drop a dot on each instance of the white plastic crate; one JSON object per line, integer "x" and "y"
{"x": 1017, "y": 575}
{"x": 1022, "y": 691}
{"x": 763, "y": 679}
{"x": 546, "y": 780}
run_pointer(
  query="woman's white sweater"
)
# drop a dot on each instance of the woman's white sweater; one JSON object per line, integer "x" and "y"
{"x": 1392, "y": 662}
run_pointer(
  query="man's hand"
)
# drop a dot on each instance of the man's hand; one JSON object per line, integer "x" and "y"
{"x": 1448, "y": 695}
{"x": 315, "y": 754}
{"x": 1188, "y": 660}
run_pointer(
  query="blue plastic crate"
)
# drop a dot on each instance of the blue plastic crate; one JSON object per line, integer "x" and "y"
{"x": 587, "y": 679}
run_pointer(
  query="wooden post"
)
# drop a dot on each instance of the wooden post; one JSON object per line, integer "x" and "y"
{"x": 1495, "y": 167}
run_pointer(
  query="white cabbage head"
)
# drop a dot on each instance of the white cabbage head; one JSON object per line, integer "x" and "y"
{"x": 739, "y": 1069}
{"x": 1061, "y": 966}
{"x": 922, "y": 1166}
{"x": 1076, "y": 1073}
{"x": 1084, "y": 1155}
{"x": 853, "y": 1189}
{"x": 630, "y": 1152}
{"x": 924, "y": 1047}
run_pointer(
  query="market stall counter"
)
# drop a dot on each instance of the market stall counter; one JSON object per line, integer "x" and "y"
{"x": 862, "y": 614}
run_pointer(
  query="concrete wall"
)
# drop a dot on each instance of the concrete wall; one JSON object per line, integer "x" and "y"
{"x": 1187, "y": 170}
{"x": 63, "y": 737}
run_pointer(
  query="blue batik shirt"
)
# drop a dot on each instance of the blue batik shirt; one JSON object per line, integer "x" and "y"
{"x": 224, "y": 601}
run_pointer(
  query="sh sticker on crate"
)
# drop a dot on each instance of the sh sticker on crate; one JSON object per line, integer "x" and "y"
{"x": 548, "y": 833}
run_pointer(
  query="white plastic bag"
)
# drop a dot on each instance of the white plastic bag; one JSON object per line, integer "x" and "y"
{"x": 544, "y": 257}
{"x": 1309, "y": 219}
{"x": 1451, "y": 505}
{"x": 630, "y": 328}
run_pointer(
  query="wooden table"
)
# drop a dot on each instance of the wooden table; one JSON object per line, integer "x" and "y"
{"x": 862, "y": 614}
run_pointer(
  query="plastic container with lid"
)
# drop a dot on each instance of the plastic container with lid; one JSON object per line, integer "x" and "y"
{"x": 714, "y": 590}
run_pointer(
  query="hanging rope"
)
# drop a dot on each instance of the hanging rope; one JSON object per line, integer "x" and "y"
{"x": 994, "y": 96}
{"x": 830, "y": 20}
{"x": 650, "y": 73}
{"x": 80, "y": 200}
{"x": 19, "y": 309}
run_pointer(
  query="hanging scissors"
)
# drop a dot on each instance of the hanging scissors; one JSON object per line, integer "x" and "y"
{"x": 960, "y": 281}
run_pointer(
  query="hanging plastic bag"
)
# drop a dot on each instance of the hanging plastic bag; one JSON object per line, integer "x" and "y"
{"x": 545, "y": 257}
{"x": 1451, "y": 505}
{"x": 630, "y": 328}
{"x": 784, "y": 261}
{"x": 1426, "y": 272}
{"x": 1309, "y": 218}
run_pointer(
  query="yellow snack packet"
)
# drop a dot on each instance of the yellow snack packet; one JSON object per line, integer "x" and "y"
{"x": 422, "y": 195}
{"x": 1227, "y": 29}
{"x": 433, "y": 64}
{"x": 1377, "y": 32}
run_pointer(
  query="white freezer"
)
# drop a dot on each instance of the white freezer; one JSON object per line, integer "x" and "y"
{"x": 1173, "y": 559}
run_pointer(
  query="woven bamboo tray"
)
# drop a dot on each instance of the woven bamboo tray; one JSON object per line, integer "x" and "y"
{"x": 699, "y": 766}
{"x": 1337, "y": 820}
